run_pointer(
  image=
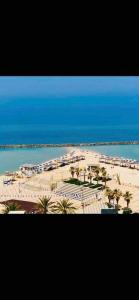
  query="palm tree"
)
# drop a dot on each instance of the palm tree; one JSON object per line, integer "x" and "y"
{"x": 103, "y": 170}
{"x": 45, "y": 205}
{"x": 97, "y": 170}
{"x": 127, "y": 197}
{"x": 77, "y": 171}
{"x": 12, "y": 206}
{"x": 90, "y": 176}
{"x": 64, "y": 207}
{"x": 72, "y": 170}
{"x": 104, "y": 175}
{"x": 84, "y": 173}
{"x": 117, "y": 195}
{"x": 110, "y": 194}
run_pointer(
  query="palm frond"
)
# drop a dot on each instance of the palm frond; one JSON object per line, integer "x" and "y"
{"x": 64, "y": 207}
{"x": 45, "y": 204}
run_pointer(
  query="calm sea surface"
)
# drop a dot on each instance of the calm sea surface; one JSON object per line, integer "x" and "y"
{"x": 11, "y": 159}
{"x": 66, "y": 120}
{"x": 69, "y": 120}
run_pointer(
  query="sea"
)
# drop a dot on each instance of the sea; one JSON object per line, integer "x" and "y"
{"x": 66, "y": 120}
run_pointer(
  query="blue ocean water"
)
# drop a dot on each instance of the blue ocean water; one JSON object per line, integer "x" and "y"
{"x": 126, "y": 151}
{"x": 12, "y": 159}
{"x": 69, "y": 120}
{"x": 27, "y": 120}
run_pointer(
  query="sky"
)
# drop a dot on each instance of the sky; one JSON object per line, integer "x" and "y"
{"x": 67, "y": 86}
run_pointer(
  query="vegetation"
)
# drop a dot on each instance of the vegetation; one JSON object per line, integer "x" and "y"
{"x": 104, "y": 175}
{"x": 75, "y": 181}
{"x": 45, "y": 205}
{"x": 77, "y": 171}
{"x": 12, "y": 206}
{"x": 127, "y": 197}
{"x": 117, "y": 195}
{"x": 127, "y": 211}
{"x": 90, "y": 176}
{"x": 109, "y": 205}
{"x": 110, "y": 194}
{"x": 97, "y": 171}
{"x": 85, "y": 184}
{"x": 84, "y": 173}
{"x": 72, "y": 170}
{"x": 64, "y": 207}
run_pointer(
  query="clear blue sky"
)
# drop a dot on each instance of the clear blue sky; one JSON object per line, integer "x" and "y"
{"x": 29, "y": 86}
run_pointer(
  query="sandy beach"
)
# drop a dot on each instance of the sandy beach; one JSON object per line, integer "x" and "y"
{"x": 31, "y": 189}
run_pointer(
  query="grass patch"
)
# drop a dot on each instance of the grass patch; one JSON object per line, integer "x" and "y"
{"x": 89, "y": 185}
{"x": 96, "y": 186}
{"x": 84, "y": 183}
{"x": 75, "y": 181}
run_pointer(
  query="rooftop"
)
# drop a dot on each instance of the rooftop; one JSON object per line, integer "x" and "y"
{"x": 28, "y": 166}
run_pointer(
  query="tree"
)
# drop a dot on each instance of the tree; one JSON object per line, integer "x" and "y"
{"x": 64, "y": 207}
{"x": 77, "y": 171}
{"x": 104, "y": 175}
{"x": 117, "y": 195}
{"x": 45, "y": 205}
{"x": 72, "y": 170}
{"x": 12, "y": 206}
{"x": 84, "y": 173}
{"x": 110, "y": 194}
{"x": 103, "y": 170}
{"x": 127, "y": 197}
{"x": 97, "y": 170}
{"x": 90, "y": 176}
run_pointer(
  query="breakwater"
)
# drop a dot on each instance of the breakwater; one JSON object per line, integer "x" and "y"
{"x": 15, "y": 146}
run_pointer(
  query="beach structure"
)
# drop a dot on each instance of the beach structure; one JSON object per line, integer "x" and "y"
{"x": 28, "y": 168}
{"x": 108, "y": 211}
{"x": 8, "y": 181}
{"x": 119, "y": 161}
{"x": 51, "y": 164}
{"x": 16, "y": 212}
{"x": 75, "y": 192}
{"x": 92, "y": 167}
{"x": 8, "y": 173}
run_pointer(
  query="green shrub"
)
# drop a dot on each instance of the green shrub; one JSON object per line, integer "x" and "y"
{"x": 75, "y": 181}
{"x": 97, "y": 178}
{"x": 89, "y": 185}
{"x": 108, "y": 179}
{"x": 109, "y": 205}
{"x": 127, "y": 211}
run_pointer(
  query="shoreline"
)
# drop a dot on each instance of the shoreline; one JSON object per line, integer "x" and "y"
{"x": 21, "y": 146}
